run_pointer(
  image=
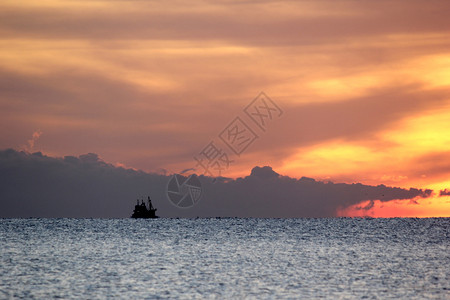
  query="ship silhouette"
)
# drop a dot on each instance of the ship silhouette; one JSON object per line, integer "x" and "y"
{"x": 142, "y": 212}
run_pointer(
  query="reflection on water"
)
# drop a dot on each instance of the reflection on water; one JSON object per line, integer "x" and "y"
{"x": 225, "y": 258}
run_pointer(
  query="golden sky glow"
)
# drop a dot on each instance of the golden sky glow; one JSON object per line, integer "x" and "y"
{"x": 364, "y": 86}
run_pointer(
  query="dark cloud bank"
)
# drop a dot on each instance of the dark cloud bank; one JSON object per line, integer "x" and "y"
{"x": 35, "y": 185}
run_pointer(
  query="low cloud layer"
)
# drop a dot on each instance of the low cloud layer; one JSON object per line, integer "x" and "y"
{"x": 35, "y": 185}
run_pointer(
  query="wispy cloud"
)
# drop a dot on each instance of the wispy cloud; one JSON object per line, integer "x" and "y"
{"x": 31, "y": 142}
{"x": 444, "y": 193}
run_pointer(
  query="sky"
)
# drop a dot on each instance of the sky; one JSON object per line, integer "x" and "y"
{"x": 360, "y": 90}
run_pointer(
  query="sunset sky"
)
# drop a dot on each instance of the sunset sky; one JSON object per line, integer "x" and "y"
{"x": 364, "y": 87}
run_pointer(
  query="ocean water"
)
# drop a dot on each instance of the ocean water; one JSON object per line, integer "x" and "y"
{"x": 225, "y": 258}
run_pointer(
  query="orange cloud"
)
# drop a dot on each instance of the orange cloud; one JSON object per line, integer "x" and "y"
{"x": 364, "y": 85}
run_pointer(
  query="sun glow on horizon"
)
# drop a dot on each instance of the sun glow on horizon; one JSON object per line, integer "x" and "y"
{"x": 434, "y": 206}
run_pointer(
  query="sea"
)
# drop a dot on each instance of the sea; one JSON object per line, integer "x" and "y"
{"x": 225, "y": 258}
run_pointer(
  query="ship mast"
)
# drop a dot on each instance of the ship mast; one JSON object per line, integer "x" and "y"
{"x": 150, "y": 206}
